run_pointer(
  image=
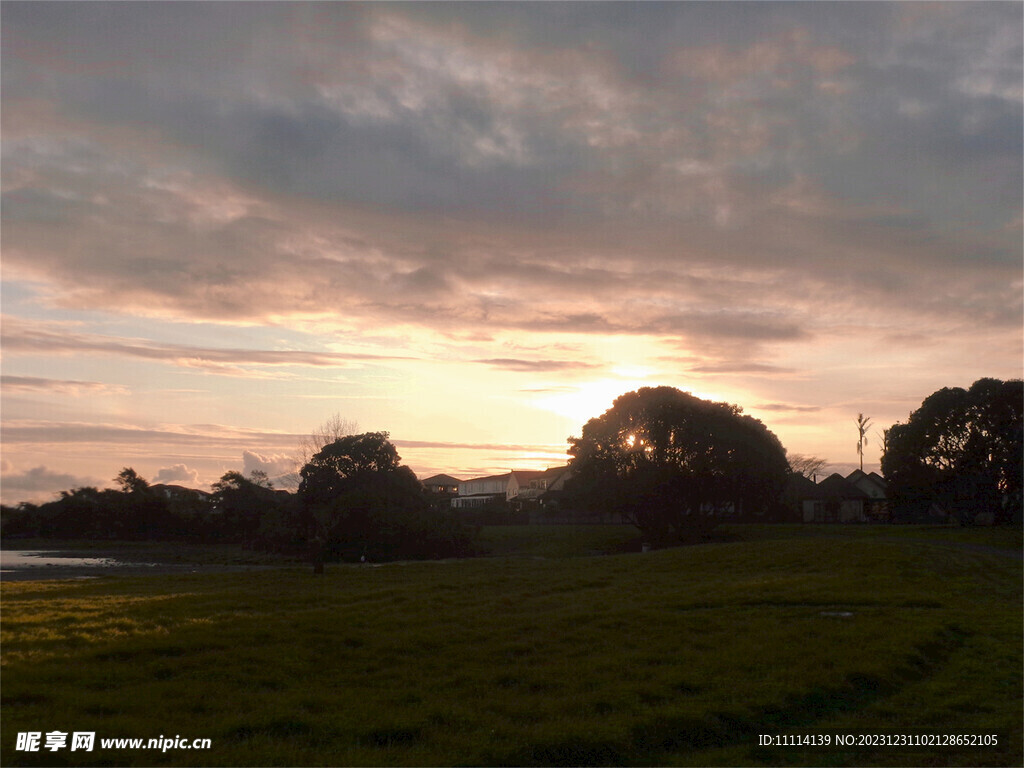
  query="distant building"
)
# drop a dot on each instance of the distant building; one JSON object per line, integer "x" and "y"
{"x": 180, "y": 493}
{"x": 481, "y": 491}
{"x": 857, "y": 498}
{"x": 876, "y": 506}
{"x": 517, "y": 487}
{"x": 441, "y": 484}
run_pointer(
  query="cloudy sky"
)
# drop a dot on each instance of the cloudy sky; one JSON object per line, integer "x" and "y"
{"x": 473, "y": 225}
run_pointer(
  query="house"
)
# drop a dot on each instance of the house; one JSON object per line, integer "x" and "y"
{"x": 876, "y": 507}
{"x": 178, "y": 497}
{"x": 179, "y": 493}
{"x": 536, "y": 485}
{"x": 517, "y": 487}
{"x": 481, "y": 491}
{"x": 441, "y": 484}
{"x": 524, "y": 486}
{"x": 857, "y": 498}
{"x": 555, "y": 479}
{"x": 798, "y": 491}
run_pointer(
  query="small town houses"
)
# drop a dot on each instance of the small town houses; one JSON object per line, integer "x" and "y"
{"x": 515, "y": 487}
{"x": 859, "y": 497}
{"x": 517, "y": 496}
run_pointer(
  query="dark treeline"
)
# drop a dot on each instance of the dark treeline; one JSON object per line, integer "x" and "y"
{"x": 240, "y": 510}
{"x": 355, "y": 501}
{"x": 670, "y": 463}
{"x": 962, "y": 451}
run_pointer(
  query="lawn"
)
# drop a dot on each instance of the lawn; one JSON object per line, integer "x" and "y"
{"x": 539, "y": 655}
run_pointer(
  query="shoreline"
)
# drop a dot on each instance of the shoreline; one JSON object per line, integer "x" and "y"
{"x": 81, "y": 573}
{"x": 33, "y": 560}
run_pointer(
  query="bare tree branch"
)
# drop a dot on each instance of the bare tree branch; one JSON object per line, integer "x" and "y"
{"x": 808, "y": 466}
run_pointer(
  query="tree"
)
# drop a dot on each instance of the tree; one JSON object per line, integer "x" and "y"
{"x": 962, "y": 450}
{"x": 253, "y": 512}
{"x": 346, "y": 462}
{"x": 673, "y": 464}
{"x": 863, "y": 423}
{"x": 240, "y": 501}
{"x": 808, "y": 466}
{"x": 883, "y": 440}
{"x": 81, "y": 513}
{"x": 365, "y": 502}
{"x": 141, "y": 514}
{"x": 131, "y": 482}
{"x": 333, "y": 429}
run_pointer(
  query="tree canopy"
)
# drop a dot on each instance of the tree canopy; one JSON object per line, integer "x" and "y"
{"x": 365, "y": 502}
{"x": 131, "y": 482}
{"x": 961, "y": 449}
{"x": 673, "y": 464}
{"x": 338, "y": 465}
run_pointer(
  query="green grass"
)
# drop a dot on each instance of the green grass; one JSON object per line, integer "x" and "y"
{"x": 547, "y": 541}
{"x": 681, "y": 656}
{"x": 993, "y": 536}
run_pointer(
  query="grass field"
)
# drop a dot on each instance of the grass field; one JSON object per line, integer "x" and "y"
{"x": 539, "y": 654}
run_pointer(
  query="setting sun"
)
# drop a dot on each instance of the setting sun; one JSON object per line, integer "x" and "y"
{"x": 582, "y": 402}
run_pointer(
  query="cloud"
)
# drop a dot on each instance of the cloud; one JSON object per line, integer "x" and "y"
{"x": 513, "y": 364}
{"x": 511, "y": 447}
{"x": 741, "y": 368}
{"x": 38, "y": 483}
{"x": 754, "y": 188}
{"x": 30, "y": 338}
{"x": 211, "y": 436}
{"x": 274, "y": 465}
{"x": 60, "y": 386}
{"x": 465, "y": 145}
{"x": 786, "y": 408}
{"x": 178, "y": 474}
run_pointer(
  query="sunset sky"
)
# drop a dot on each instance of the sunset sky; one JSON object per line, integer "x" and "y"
{"x": 474, "y": 225}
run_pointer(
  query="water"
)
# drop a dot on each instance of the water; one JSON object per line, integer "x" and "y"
{"x": 19, "y": 558}
{"x": 39, "y": 565}
{"x": 23, "y": 563}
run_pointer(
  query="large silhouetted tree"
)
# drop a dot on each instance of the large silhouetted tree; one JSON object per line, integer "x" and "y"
{"x": 346, "y": 463}
{"x": 364, "y": 501}
{"x": 334, "y": 428}
{"x": 673, "y": 464}
{"x": 961, "y": 449}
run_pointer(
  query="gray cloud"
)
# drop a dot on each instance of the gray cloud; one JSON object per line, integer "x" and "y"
{"x": 39, "y": 483}
{"x": 275, "y": 465}
{"x": 25, "y": 338}
{"x": 730, "y": 177}
{"x": 214, "y": 437}
{"x": 178, "y": 473}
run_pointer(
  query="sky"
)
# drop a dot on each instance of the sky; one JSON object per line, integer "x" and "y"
{"x": 473, "y": 225}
